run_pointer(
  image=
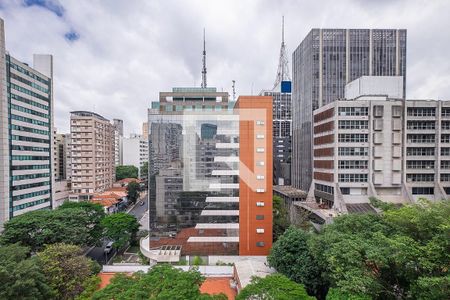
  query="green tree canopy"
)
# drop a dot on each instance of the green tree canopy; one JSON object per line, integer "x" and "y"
{"x": 121, "y": 228}
{"x": 275, "y": 286}
{"x": 291, "y": 256}
{"x": 123, "y": 172}
{"x": 401, "y": 253}
{"x": 144, "y": 170}
{"x": 67, "y": 270}
{"x": 21, "y": 277}
{"x": 280, "y": 217}
{"x": 133, "y": 190}
{"x": 161, "y": 282}
{"x": 38, "y": 228}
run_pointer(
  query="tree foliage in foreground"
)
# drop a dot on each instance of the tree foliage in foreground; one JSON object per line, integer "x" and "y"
{"x": 120, "y": 228}
{"x": 67, "y": 270}
{"x": 400, "y": 254}
{"x": 20, "y": 276}
{"x": 161, "y": 282}
{"x": 133, "y": 190}
{"x": 72, "y": 223}
{"x": 123, "y": 172}
{"x": 280, "y": 217}
{"x": 275, "y": 286}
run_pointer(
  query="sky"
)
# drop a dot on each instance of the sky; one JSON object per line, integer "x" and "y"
{"x": 115, "y": 56}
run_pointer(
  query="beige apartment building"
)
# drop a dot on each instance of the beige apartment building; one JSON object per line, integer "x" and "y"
{"x": 92, "y": 154}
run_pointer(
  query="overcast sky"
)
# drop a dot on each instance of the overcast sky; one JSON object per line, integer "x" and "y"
{"x": 115, "y": 56}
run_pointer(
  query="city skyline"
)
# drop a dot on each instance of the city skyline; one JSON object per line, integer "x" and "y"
{"x": 154, "y": 56}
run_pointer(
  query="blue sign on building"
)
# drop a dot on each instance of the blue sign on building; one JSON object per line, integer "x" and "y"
{"x": 286, "y": 87}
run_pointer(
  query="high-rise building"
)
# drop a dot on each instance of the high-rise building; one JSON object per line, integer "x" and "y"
{"x": 118, "y": 136}
{"x": 92, "y": 154}
{"x": 145, "y": 130}
{"x": 60, "y": 158}
{"x": 282, "y": 119}
{"x": 135, "y": 151}
{"x": 324, "y": 62}
{"x": 208, "y": 201}
{"x": 26, "y": 126}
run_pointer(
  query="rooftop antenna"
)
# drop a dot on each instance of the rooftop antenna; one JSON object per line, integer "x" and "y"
{"x": 283, "y": 64}
{"x": 204, "y": 61}
{"x": 234, "y": 89}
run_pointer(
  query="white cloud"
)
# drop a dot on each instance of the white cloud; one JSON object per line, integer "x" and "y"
{"x": 129, "y": 51}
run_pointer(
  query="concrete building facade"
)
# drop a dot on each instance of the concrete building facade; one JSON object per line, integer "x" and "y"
{"x": 118, "y": 146}
{"x": 92, "y": 154}
{"x": 324, "y": 62}
{"x": 376, "y": 144}
{"x": 135, "y": 151}
{"x": 26, "y": 108}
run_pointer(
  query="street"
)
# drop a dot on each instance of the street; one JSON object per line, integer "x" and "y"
{"x": 98, "y": 254}
{"x": 139, "y": 210}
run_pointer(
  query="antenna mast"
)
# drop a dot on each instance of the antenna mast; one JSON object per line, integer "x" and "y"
{"x": 283, "y": 64}
{"x": 204, "y": 61}
{"x": 234, "y": 89}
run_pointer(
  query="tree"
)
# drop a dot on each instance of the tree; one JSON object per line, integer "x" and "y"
{"x": 133, "y": 190}
{"x": 275, "y": 286}
{"x": 123, "y": 172}
{"x": 120, "y": 228}
{"x": 38, "y": 228}
{"x": 144, "y": 170}
{"x": 291, "y": 256}
{"x": 280, "y": 217}
{"x": 67, "y": 270}
{"x": 94, "y": 212}
{"x": 21, "y": 277}
{"x": 160, "y": 282}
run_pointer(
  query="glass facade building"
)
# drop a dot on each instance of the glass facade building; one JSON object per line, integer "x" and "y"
{"x": 26, "y": 133}
{"x": 324, "y": 62}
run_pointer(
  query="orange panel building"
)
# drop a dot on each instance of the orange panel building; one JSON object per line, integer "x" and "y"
{"x": 255, "y": 169}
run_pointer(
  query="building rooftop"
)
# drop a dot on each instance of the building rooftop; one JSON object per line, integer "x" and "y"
{"x": 246, "y": 269}
{"x": 290, "y": 191}
{"x": 83, "y": 113}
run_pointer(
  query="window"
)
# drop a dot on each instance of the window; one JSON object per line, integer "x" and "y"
{"x": 420, "y": 151}
{"x": 352, "y": 177}
{"x": 260, "y": 136}
{"x": 420, "y": 138}
{"x": 259, "y": 230}
{"x": 421, "y": 125}
{"x": 353, "y": 111}
{"x": 259, "y": 217}
{"x": 422, "y": 190}
{"x": 445, "y": 177}
{"x": 345, "y": 191}
{"x": 353, "y": 151}
{"x": 420, "y": 164}
{"x": 445, "y": 151}
{"x": 260, "y": 244}
{"x": 353, "y": 124}
{"x": 353, "y": 164}
{"x": 421, "y": 111}
{"x": 260, "y": 177}
{"x": 260, "y": 204}
{"x": 419, "y": 177}
{"x": 445, "y": 164}
{"x": 260, "y": 190}
{"x": 445, "y": 125}
{"x": 445, "y": 112}
{"x": 260, "y": 122}
{"x": 445, "y": 138}
{"x": 353, "y": 138}
{"x": 260, "y": 163}
{"x": 324, "y": 188}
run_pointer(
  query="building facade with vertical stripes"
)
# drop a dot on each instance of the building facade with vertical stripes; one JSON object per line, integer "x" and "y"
{"x": 26, "y": 139}
{"x": 324, "y": 62}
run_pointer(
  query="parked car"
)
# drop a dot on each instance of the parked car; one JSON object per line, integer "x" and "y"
{"x": 141, "y": 203}
{"x": 108, "y": 247}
